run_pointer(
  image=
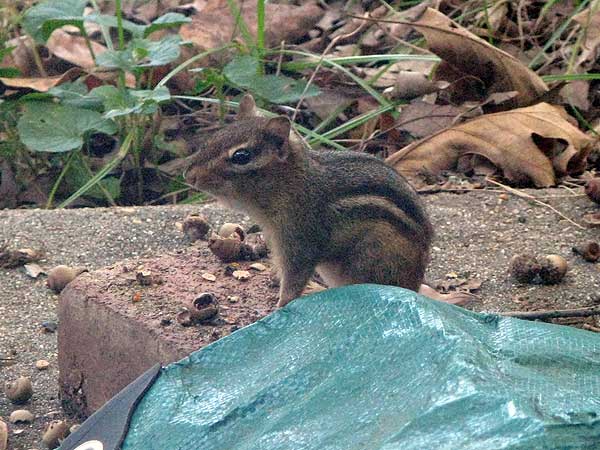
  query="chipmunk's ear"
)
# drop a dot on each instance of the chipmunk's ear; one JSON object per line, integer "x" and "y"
{"x": 247, "y": 107}
{"x": 278, "y": 130}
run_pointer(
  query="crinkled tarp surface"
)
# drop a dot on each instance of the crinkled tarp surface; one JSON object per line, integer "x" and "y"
{"x": 374, "y": 367}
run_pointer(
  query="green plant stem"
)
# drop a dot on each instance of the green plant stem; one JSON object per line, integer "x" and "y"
{"x": 59, "y": 179}
{"x": 38, "y": 59}
{"x": 88, "y": 43}
{"x": 123, "y": 151}
{"x": 86, "y": 167}
{"x": 121, "y": 33}
{"x": 103, "y": 28}
{"x": 260, "y": 34}
{"x": 120, "y": 24}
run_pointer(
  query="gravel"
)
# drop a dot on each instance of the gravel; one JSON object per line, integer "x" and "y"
{"x": 477, "y": 234}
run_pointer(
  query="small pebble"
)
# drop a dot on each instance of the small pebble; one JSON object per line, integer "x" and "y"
{"x": 49, "y": 326}
{"x": 209, "y": 276}
{"x": 258, "y": 267}
{"x": 242, "y": 275}
{"x": 233, "y": 299}
{"x": 42, "y": 364}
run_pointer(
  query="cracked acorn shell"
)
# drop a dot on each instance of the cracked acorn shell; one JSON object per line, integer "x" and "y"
{"x": 524, "y": 268}
{"x": 227, "y": 229}
{"x": 195, "y": 227}
{"x": 20, "y": 390}
{"x": 57, "y": 430}
{"x": 21, "y": 415}
{"x": 590, "y": 251}
{"x": 60, "y": 276}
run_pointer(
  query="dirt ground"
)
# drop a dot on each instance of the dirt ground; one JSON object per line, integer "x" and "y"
{"x": 476, "y": 235}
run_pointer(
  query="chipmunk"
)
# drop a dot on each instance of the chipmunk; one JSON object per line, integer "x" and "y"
{"x": 345, "y": 214}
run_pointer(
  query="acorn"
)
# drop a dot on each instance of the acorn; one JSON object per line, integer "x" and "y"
{"x": 56, "y": 432}
{"x": 21, "y": 416}
{"x": 524, "y": 268}
{"x": 226, "y": 249}
{"x": 195, "y": 227}
{"x": 590, "y": 251}
{"x": 229, "y": 229}
{"x": 592, "y": 189}
{"x": 554, "y": 268}
{"x": 20, "y": 390}
{"x": 61, "y": 275}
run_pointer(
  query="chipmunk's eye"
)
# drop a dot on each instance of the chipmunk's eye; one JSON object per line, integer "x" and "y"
{"x": 241, "y": 156}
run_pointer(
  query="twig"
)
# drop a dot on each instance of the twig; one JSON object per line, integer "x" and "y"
{"x": 320, "y": 63}
{"x": 526, "y": 196}
{"x": 589, "y": 327}
{"x": 553, "y": 313}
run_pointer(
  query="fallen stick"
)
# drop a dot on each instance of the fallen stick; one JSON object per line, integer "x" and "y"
{"x": 553, "y": 313}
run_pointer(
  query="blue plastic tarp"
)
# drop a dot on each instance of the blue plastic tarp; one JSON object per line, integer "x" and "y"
{"x": 375, "y": 367}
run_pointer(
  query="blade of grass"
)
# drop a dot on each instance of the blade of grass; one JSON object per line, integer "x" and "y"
{"x": 260, "y": 27}
{"x": 241, "y": 24}
{"x": 583, "y": 121}
{"x": 327, "y": 62}
{"x": 355, "y": 122}
{"x": 58, "y": 181}
{"x": 571, "y": 77}
{"x": 351, "y": 60}
{"x": 190, "y": 61}
{"x": 123, "y": 151}
{"x": 557, "y": 33}
{"x": 305, "y": 131}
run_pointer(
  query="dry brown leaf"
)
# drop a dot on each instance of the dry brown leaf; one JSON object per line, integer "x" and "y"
{"x": 41, "y": 84}
{"x": 422, "y": 119}
{"x": 21, "y": 57}
{"x": 589, "y": 19}
{"x": 531, "y": 144}
{"x": 215, "y": 26}
{"x": 471, "y": 55}
{"x": 72, "y": 48}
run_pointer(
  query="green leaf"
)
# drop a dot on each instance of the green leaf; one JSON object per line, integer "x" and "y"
{"x": 49, "y": 127}
{"x": 168, "y": 20}
{"x": 77, "y": 176}
{"x": 131, "y": 101}
{"x": 142, "y": 53}
{"x": 243, "y": 72}
{"x": 9, "y": 72}
{"x": 5, "y": 52}
{"x": 76, "y": 94}
{"x": 42, "y": 19}
{"x": 111, "y": 22}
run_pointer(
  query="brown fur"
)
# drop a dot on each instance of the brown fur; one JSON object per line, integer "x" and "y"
{"x": 346, "y": 214}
